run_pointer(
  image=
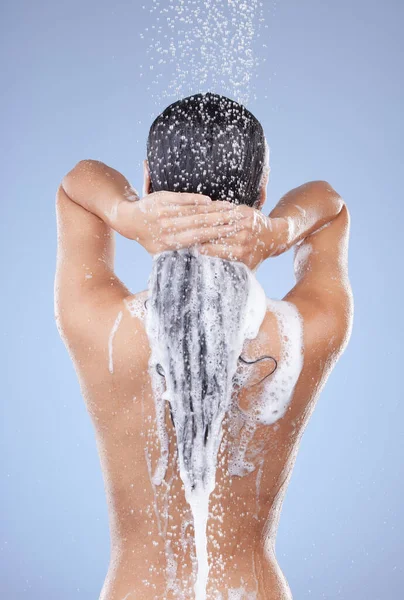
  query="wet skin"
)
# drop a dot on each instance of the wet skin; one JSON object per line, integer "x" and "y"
{"x": 88, "y": 299}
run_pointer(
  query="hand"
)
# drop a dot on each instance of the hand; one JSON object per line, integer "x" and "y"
{"x": 169, "y": 221}
{"x": 259, "y": 238}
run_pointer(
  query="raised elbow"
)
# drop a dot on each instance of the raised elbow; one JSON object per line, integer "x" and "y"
{"x": 326, "y": 191}
{"x": 84, "y": 165}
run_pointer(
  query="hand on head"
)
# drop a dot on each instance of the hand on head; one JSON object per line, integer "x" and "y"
{"x": 258, "y": 238}
{"x": 164, "y": 221}
{"x": 169, "y": 221}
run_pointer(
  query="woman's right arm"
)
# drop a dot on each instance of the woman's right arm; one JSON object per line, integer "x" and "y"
{"x": 316, "y": 223}
{"x": 297, "y": 215}
{"x": 313, "y": 219}
{"x": 304, "y": 210}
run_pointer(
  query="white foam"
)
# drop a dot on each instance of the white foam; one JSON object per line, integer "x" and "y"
{"x": 291, "y": 233}
{"x": 255, "y": 309}
{"x": 136, "y": 307}
{"x": 111, "y": 339}
{"x": 302, "y": 253}
{"x": 238, "y": 465}
{"x": 271, "y": 403}
{"x": 279, "y": 388}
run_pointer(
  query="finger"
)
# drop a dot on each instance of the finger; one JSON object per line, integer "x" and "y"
{"x": 247, "y": 243}
{"x": 193, "y": 209}
{"x": 182, "y": 198}
{"x": 237, "y": 238}
{"x": 192, "y": 237}
{"x": 190, "y": 222}
{"x": 221, "y": 250}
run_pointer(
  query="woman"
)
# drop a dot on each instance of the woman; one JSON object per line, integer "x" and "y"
{"x": 199, "y": 388}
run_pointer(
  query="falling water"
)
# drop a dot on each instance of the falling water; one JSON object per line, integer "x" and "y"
{"x": 195, "y": 45}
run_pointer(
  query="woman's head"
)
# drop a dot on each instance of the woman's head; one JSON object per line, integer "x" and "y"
{"x": 211, "y": 145}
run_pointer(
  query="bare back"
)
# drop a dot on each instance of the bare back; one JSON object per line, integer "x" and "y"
{"x": 152, "y": 549}
{"x": 151, "y": 526}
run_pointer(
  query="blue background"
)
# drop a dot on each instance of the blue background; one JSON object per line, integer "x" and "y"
{"x": 329, "y": 98}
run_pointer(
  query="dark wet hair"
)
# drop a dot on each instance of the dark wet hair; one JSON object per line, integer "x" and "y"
{"x": 208, "y": 144}
{"x": 196, "y": 305}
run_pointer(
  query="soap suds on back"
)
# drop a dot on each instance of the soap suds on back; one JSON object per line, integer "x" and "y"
{"x": 271, "y": 403}
{"x": 136, "y": 307}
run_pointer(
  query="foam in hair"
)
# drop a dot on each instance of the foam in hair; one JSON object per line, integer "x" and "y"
{"x": 200, "y": 310}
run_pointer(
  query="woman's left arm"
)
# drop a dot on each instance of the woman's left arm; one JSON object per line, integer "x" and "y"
{"x": 159, "y": 221}
{"x": 95, "y": 200}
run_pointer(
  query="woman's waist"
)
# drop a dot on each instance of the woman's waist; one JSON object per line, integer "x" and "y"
{"x": 154, "y": 574}
{"x": 231, "y": 527}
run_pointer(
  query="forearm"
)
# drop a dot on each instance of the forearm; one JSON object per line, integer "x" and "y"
{"x": 98, "y": 188}
{"x": 303, "y": 211}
